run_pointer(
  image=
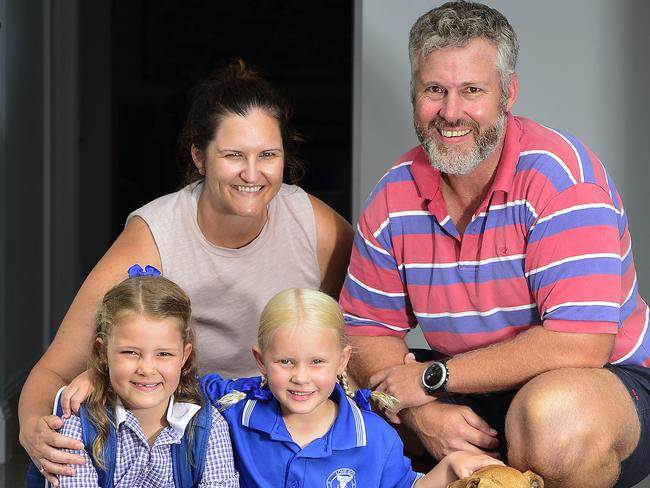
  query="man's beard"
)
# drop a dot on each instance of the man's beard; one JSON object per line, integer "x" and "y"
{"x": 448, "y": 158}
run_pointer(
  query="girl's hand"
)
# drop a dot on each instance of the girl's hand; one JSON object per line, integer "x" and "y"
{"x": 464, "y": 463}
{"x": 76, "y": 393}
{"x": 454, "y": 466}
{"x": 44, "y": 447}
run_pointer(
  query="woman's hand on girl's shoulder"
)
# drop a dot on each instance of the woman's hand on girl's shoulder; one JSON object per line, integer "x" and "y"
{"x": 76, "y": 393}
{"x": 45, "y": 449}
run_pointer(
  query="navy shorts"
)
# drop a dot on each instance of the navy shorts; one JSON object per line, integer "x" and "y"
{"x": 492, "y": 408}
{"x": 637, "y": 381}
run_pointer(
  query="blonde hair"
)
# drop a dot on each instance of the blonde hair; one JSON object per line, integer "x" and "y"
{"x": 153, "y": 296}
{"x": 299, "y": 307}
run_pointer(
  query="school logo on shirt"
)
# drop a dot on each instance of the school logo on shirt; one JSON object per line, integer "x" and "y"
{"x": 342, "y": 478}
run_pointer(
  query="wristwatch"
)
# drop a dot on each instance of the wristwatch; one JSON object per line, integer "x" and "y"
{"x": 435, "y": 377}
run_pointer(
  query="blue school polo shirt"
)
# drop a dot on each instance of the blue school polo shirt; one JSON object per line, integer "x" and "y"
{"x": 360, "y": 450}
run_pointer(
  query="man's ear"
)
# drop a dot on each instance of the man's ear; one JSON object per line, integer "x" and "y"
{"x": 257, "y": 354}
{"x": 513, "y": 92}
{"x": 199, "y": 159}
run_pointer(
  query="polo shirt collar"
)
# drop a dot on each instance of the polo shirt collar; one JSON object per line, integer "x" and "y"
{"x": 347, "y": 432}
{"x": 179, "y": 414}
{"x": 427, "y": 178}
{"x": 349, "y": 429}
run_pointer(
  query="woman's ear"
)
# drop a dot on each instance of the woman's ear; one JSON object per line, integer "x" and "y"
{"x": 257, "y": 354}
{"x": 187, "y": 350}
{"x": 199, "y": 159}
{"x": 345, "y": 358}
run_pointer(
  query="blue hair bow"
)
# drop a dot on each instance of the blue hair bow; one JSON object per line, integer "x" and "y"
{"x": 136, "y": 271}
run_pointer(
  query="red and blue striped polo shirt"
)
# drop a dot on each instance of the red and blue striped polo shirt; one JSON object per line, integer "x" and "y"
{"x": 549, "y": 246}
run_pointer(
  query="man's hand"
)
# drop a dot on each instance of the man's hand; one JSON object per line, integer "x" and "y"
{"x": 444, "y": 428}
{"x": 404, "y": 382}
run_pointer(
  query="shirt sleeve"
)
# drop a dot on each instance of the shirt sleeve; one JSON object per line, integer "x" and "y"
{"x": 374, "y": 298}
{"x": 213, "y": 386}
{"x": 86, "y": 475}
{"x": 397, "y": 472}
{"x": 219, "y": 464}
{"x": 574, "y": 261}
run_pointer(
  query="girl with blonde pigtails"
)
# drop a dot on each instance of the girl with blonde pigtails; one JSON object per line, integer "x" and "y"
{"x": 299, "y": 425}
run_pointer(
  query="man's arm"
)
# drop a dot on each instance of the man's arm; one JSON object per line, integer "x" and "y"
{"x": 499, "y": 367}
{"x": 371, "y": 354}
{"x": 509, "y": 365}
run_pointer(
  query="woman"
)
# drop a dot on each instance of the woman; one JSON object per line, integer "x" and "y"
{"x": 232, "y": 238}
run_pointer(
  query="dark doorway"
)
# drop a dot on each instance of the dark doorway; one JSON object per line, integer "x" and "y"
{"x": 163, "y": 47}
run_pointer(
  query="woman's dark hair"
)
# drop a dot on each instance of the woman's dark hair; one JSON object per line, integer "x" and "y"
{"x": 234, "y": 90}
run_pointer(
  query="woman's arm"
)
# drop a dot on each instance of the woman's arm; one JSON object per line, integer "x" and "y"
{"x": 334, "y": 237}
{"x": 67, "y": 355}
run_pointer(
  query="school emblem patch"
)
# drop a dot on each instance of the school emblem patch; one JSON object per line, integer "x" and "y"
{"x": 342, "y": 478}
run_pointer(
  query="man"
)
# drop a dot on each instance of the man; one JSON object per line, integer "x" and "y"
{"x": 507, "y": 243}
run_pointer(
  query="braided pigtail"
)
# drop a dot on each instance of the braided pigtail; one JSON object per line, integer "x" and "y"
{"x": 383, "y": 400}
{"x": 343, "y": 381}
{"x": 247, "y": 388}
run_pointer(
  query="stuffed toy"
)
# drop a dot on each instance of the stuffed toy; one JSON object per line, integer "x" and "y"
{"x": 496, "y": 476}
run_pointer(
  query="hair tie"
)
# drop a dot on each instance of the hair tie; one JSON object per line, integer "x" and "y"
{"x": 254, "y": 389}
{"x": 136, "y": 271}
{"x": 362, "y": 399}
{"x": 383, "y": 400}
{"x": 245, "y": 389}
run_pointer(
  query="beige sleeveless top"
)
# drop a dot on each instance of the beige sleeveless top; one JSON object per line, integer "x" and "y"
{"x": 230, "y": 287}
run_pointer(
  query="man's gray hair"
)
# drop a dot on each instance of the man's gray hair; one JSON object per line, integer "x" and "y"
{"x": 456, "y": 24}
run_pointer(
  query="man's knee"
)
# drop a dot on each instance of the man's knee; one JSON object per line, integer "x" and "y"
{"x": 567, "y": 419}
{"x": 572, "y": 424}
{"x": 546, "y": 418}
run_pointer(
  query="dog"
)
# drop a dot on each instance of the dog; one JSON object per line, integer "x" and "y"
{"x": 496, "y": 476}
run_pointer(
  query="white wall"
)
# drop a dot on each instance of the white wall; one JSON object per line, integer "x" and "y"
{"x": 582, "y": 67}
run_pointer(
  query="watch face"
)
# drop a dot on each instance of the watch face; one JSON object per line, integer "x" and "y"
{"x": 434, "y": 375}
